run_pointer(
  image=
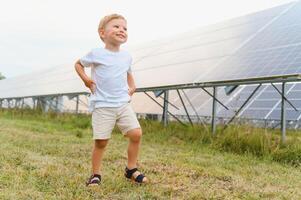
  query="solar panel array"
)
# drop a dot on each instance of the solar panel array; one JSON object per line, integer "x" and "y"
{"x": 261, "y": 44}
{"x": 189, "y": 57}
{"x": 221, "y": 52}
{"x": 56, "y": 80}
{"x": 264, "y": 105}
{"x": 274, "y": 50}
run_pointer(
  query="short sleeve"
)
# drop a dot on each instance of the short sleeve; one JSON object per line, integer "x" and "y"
{"x": 87, "y": 60}
{"x": 130, "y": 66}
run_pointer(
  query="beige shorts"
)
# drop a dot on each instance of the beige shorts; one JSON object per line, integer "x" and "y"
{"x": 104, "y": 120}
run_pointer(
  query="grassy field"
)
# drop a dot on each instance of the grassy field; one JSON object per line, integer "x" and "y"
{"x": 48, "y": 157}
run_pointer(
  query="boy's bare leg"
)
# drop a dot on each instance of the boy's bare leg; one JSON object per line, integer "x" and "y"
{"x": 133, "y": 150}
{"x": 97, "y": 154}
{"x": 133, "y": 147}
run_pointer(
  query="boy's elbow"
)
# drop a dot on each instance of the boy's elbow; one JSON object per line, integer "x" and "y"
{"x": 77, "y": 64}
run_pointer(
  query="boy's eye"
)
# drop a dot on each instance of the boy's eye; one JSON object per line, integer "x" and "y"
{"x": 116, "y": 26}
{"x": 125, "y": 29}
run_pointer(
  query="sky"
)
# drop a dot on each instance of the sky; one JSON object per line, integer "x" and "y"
{"x": 36, "y": 34}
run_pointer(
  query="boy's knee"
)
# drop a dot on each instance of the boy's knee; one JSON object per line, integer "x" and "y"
{"x": 100, "y": 144}
{"x": 135, "y": 134}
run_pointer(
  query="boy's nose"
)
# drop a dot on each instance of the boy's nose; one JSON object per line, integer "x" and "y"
{"x": 123, "y": 33}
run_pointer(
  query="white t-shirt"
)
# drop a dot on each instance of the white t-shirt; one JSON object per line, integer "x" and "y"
{"x": 109, "y": 71}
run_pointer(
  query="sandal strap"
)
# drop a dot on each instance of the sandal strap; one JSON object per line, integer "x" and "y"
{"x": 139, "y": 178}
{"x": 129, "y": 172}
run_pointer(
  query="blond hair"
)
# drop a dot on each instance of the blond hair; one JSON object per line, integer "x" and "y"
{"x": 106, "y": 19}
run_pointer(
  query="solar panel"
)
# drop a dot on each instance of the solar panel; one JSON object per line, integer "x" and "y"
{"x": 210, "y": 54}
{"x": 273, "y": 51}
{"x": 277, "y": 61}
{"x": 264, "y": 105}
{"x": 204, "y": 55}
{"x": 57, "y": 80}
{"x": 261, "y": 44}
{"x": 276, "y": 50}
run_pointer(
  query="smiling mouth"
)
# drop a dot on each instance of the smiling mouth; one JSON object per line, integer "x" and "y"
{"x": 121, "y": 36}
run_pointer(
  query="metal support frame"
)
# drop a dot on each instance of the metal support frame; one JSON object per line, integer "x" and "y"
{"x": 83, "y": 103}
{"x": 167, "y": 110}
{"x": 173, "y": 105}
{"x": 34, "y": 103}
{"x": 43, "y": 102}
{"x": 213, "y": 120}
{"x": 288, "y": 101}
{"x": 40, "y": 101}
{"x": 57, "y": 104}
{"x": 185, "y": 108}
{"x": 77, "y": 104}
{"x": 215, "y": 98}
{"x": 196, "y": 113}
{"x": 38, "y": 104}
{"x": 22, "y": 105}
{"x": 283, "y": 114}
{"x": 243, "y": 105}
{"x": 16, "y": 103}
{"x": 248, "y": 81}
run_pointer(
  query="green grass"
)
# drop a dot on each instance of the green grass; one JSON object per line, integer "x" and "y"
{"x": 47, "y": 156}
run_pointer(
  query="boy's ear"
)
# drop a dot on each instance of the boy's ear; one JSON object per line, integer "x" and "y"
{"x": 101, "y": 33}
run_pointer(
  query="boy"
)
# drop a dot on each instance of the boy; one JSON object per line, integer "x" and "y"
{"x": 112, "y": 85}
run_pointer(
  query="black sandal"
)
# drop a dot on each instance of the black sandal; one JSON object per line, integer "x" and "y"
{"x": 94, "y": 179}
{"x": 129, "y": 174}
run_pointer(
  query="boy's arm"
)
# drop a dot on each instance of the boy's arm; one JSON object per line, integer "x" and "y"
{"x": 131, "y": 83}
{"x": 89, "y": 83}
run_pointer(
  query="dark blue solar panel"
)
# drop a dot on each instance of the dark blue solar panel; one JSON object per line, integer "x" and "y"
{"x": 290, "y": 114}
{"x": 213, "y": 53}
{"x": 263, "y": 104}
{"x": 259, "y": 45}
{"x": 269, "y": 96}
{"x": 274, "y": 50}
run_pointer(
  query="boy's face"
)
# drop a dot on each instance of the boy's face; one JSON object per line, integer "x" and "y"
{"x": 115, "y": 32}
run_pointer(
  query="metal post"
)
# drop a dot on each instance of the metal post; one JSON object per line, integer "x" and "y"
{"x": 170, "y": 103}
{"x": 165, "y": 109}
{"x": 196, "y": 113}
{"x": 213, "y": 122}
{"x": 1, "y": 103}
{"x": 283, "y": 114}
{"x": 16, "y": 103}
{"x": 215, "y": 98}
{"x": 38, "y": 104}
{"x": 77, "y": 102}
{"x": 34, "y": 103}
{"x": 57, "y": 104}
{"x": 186, "y": 111}
{"x": 22, "y": 105}
{"x": 242, "y": 106}
{"x": 288, "y": 101}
